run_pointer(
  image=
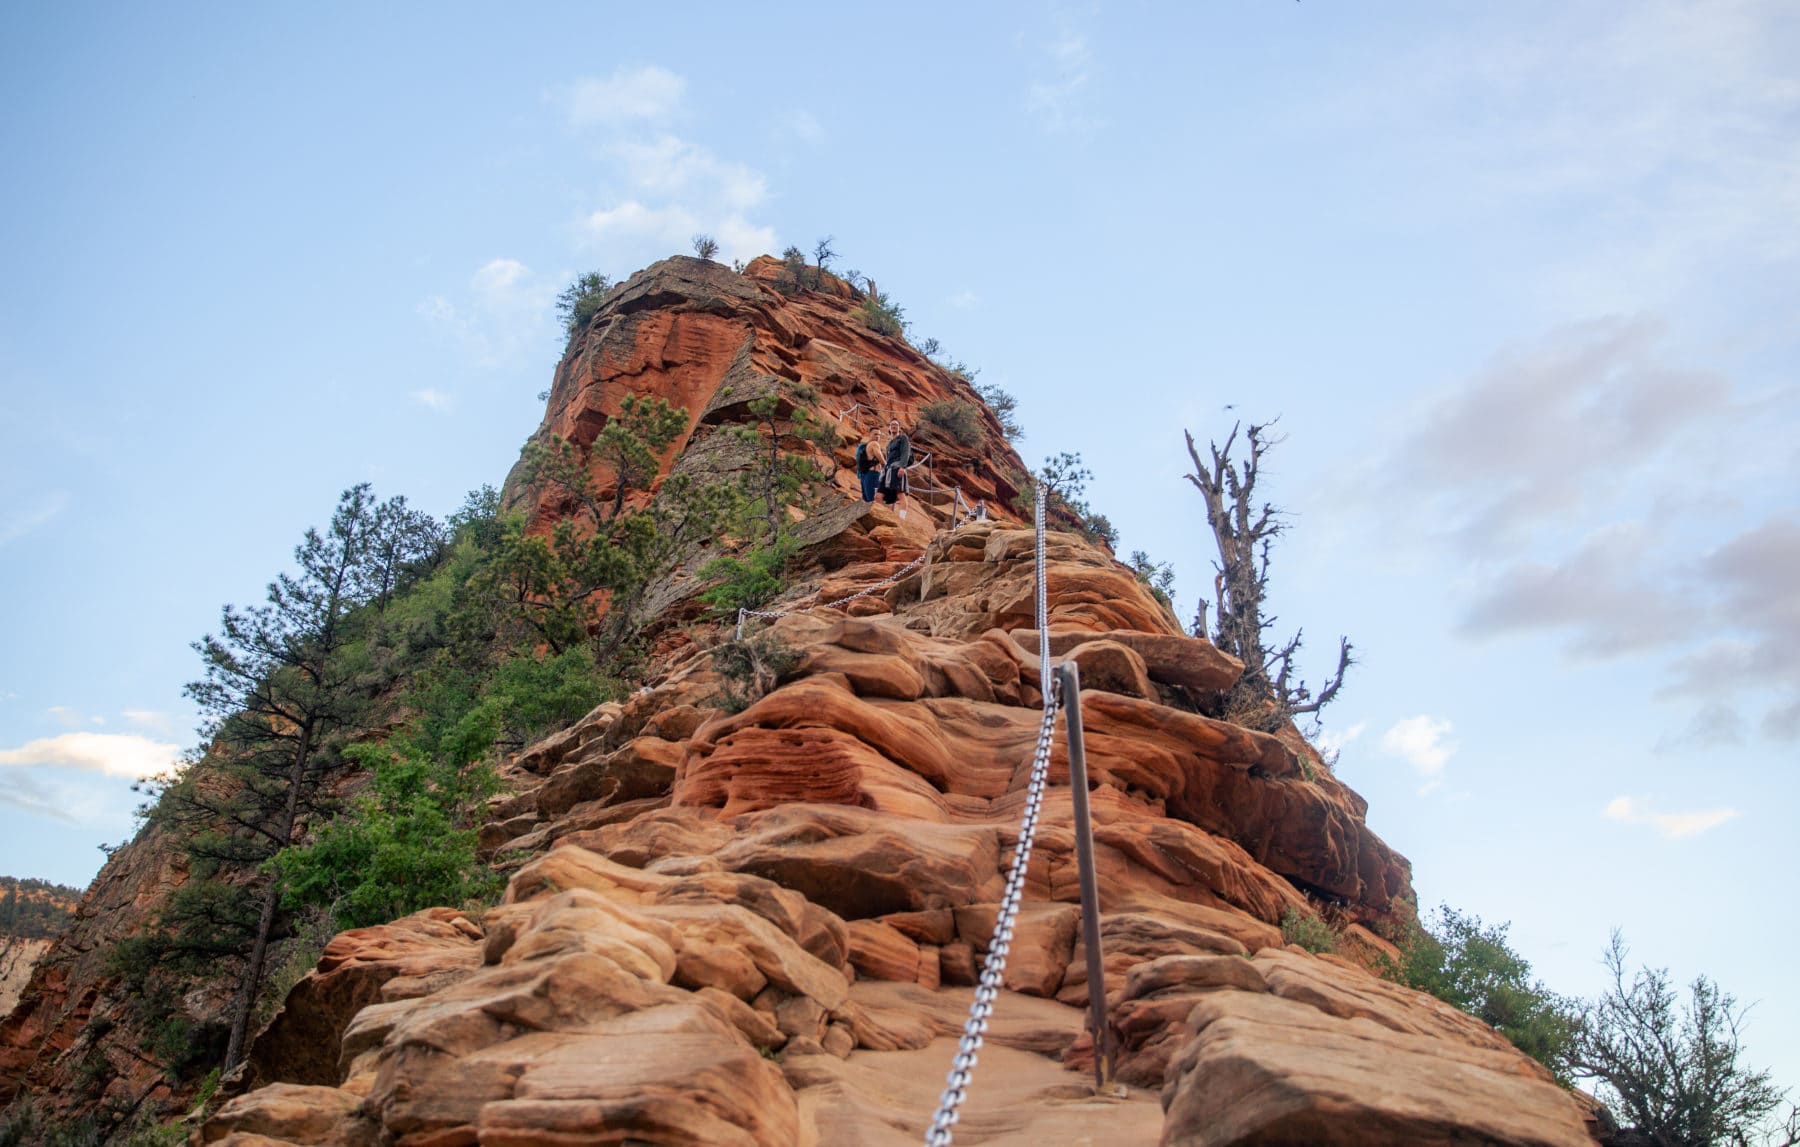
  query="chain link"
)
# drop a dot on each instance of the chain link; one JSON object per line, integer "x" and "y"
{"x": 962, "y": 1068}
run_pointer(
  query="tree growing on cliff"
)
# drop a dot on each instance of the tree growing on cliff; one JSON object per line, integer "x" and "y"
{"x": 588, "y": 578}
{"x": 284, "y": 683}
{"x": 1268, "y": 695}
{"x": 705, "y": 246}
{"x": 1674, "y": 1069}
{"x": 1474, "y": 968}
{"x": 580, "y": 300}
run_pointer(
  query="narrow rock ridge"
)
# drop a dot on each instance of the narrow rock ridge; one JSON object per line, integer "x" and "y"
{"x": 761, "y": 927}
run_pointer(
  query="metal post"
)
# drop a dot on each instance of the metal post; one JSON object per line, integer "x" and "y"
{"x": 1070, "y": 674}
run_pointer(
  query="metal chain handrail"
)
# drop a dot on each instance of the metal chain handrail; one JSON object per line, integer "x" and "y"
{"x": 835, "y": 602}
{"x": 962, "y": 1068}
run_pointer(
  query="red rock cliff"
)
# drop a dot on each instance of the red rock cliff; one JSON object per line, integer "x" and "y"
{"x": 760, "y": 927}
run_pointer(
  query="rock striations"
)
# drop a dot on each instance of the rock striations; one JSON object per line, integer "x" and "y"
{"x": 761, "y": 927}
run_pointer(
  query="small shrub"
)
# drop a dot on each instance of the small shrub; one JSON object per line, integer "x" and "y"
{"x": 1157, "y": 577}
{"x": 749, "y": 581}
{"x": 705, "y": 246}
{"x": 882, "y": 316}
{"x": 1308, "y": 931}
{"x": 580, "y": 300}
{"x": 960, "y": 420}
{"x": 750, "y": 669}
{"x": 1474, "y": 968}
{"x": 1004, "y": 406}
{"x": 794, "y": 272}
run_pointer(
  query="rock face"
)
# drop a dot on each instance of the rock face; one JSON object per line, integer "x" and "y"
{"x": 17, "y": 957}
{"x": 760, "y": 927}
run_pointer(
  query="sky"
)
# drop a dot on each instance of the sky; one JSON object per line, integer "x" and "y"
{"x": 1520, "y": 282}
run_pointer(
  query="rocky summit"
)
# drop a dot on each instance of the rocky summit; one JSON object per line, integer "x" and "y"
{"x": 755, "y": 917}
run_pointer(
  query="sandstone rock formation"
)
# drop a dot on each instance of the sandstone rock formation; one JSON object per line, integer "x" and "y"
{"x": 761, "y": 927}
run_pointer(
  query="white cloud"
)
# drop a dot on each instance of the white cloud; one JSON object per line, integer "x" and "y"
{"x": 1058, "y": 97}
{"x": 1674, "y": 825}
{"x": 40, "y": 512}
{"x": 1331, "y": 742}
{"x": 149, "y": 719}
{"x": 800, "y": 125}
{"x": 679, "y": 189}
{"x": 642, "y": 93}
{"x": 1423, "y": 743}
{"x": 1665, "y": 127}
{"x": 115, "y": 754}
{"x": 435, "y": 399}
{"x": 505, "y": 316}
{"x": 965, "y": 300}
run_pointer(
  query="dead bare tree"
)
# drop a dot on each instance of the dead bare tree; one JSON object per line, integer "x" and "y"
{"x": 1268, "y": 694}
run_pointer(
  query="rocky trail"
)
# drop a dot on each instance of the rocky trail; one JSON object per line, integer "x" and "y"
{"x": 763, "y": 927}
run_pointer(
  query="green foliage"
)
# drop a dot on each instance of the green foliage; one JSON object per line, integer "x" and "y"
{"x": 781, "y": 476}
{"x": 1005, "y": 408}
{"x": 882, "y": 315}
{"x": 750, "y": 668}
{"x": 750, "y": 581}
{"x": 581, "y": 300}
{"x": 1474, "y": 968}
{"x": 1308, "y": 931}
{"x": 35, "y": 909}
{"x": 404, "y": 844}
{"x": 587, "y": 580}
{"x": 960, "y": 420}
{"x": 1157, "y": 577}
{"x": 1065, "y": 480}
{"x": 26, "y": 1126}
{"x": 795, "y": 274}
{"x": 1672, "y": 1068}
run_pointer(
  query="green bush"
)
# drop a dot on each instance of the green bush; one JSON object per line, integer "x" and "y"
{"x": 750, "y": 581}
{"x": 581, "y": 300}
{"x": 1474, "y": 969}
{"x": 794, "y": 272}
{"x": 882, "y": 316}
{"x": 1308, "y": 931}
{"x": 403, "y": 845}
{"x": 960, "y": 420}
{"x": 1003, "y": 404}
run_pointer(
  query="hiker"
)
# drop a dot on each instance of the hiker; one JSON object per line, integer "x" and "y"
{"x": 868, "y": 469}
{"x": 898, "y": 457}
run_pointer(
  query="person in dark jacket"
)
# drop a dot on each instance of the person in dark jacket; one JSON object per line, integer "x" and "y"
{"x": 893, "y": 472}
{"x": 868, "y": 466}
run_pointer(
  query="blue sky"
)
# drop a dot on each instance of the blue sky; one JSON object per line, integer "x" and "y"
{"x": 1520, "y": 281}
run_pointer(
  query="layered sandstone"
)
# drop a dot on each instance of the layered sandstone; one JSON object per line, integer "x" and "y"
{"x": 760, "y": 927}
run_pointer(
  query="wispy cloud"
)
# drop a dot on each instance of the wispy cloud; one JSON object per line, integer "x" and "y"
{"x": 35, "y": 514}
{"x": 1331, "y": 742}
{"x": 674, "y": 189}
{"x": 965, "y": 300}
{"x": 629, "y": 94}
{"x": 1058, "y": 95}
{"x": 23, "y": 791}
{"x": 1424, "y": 743}
{"x": 114, "y": 754}
{"x": 1664, "y": 127}
{"x": 434, "y": 399}
{"x": 149, "y": 719}
{"x": 504, "y": 315}
{"x": 799, "y": 126}
{"x": 1619, "y": 502}
{"x": 1673, "y": 825}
